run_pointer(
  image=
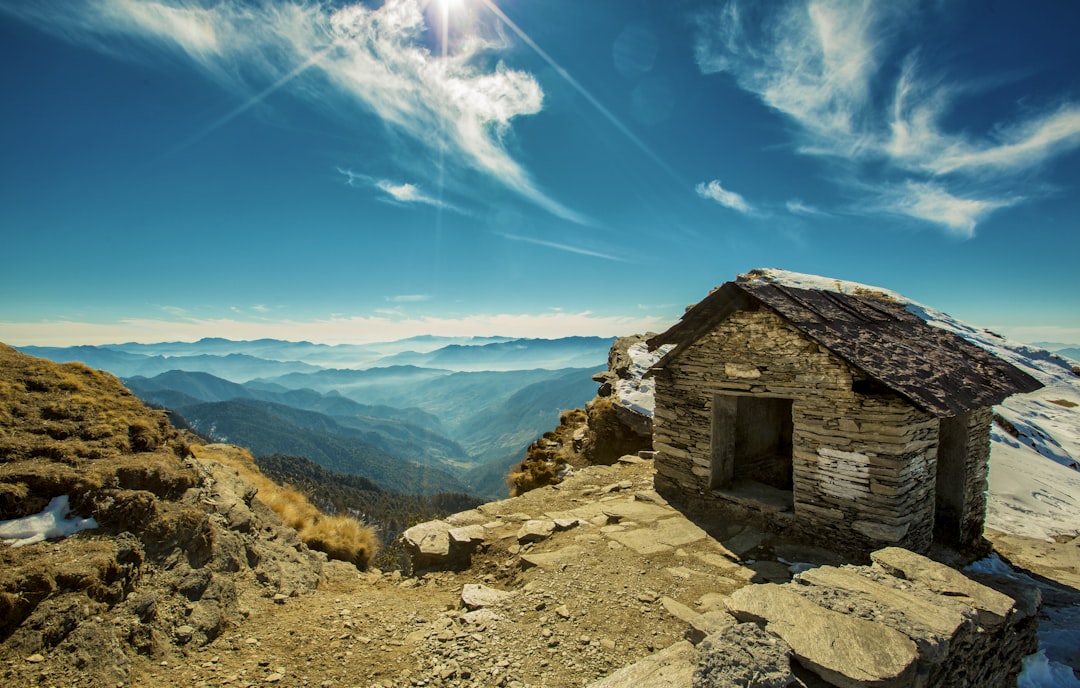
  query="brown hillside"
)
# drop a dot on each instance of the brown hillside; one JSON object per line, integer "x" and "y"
{"x": 181, "y": 541}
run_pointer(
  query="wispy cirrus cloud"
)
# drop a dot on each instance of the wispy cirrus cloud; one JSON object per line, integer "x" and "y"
{"x": 729, "y": 199}
{"x": 931, "y": 202}
{"x": 460, "y": 105}
{"x": 409, "y": 298}
{"x": 561, "y": 247}
{"x": 796, "y": 206}
{"x": 839, "y": 72}
{"x": 398, "y": 192}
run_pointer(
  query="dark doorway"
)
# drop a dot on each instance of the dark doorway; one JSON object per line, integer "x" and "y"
{"x": 751, "y": 440}
{"x": 950, "y": 487}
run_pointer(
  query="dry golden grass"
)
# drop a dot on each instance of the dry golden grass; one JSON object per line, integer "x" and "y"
{"x": 339, "y": 537}
{"x": 68, "y": 429}
{"x": 545, "y": 457}
{"x": 70, "y": 413}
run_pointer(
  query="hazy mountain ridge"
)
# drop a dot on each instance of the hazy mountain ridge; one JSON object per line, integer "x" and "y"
{"x": 486, "y": 400}
{"x": 266, "y": 428}
{"x": 235, "y": 367}
{"x": 518, "y": 354}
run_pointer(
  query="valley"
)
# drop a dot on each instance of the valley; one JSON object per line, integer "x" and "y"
{"x": 421, "y": 416}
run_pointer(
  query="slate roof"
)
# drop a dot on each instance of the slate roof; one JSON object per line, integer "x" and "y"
{"x": 935, "y": 370}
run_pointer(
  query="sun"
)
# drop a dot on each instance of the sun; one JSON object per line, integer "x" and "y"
{"x": 449, "y": 6}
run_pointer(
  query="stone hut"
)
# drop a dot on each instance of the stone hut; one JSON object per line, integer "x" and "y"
{"x": 840, "y": 416}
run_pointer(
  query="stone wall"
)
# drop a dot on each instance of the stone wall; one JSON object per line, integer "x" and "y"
{"x": 863, "y": 462}
{"x": 975, "y": 483}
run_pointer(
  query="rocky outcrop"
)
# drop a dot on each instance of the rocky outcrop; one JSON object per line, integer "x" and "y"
{"x": 906, "y": 621}
{"x": 625, "y": 384}
{"x": 179, "y": 541}
{"x": 616, "y": 423}
{"x": 743, "y": 655}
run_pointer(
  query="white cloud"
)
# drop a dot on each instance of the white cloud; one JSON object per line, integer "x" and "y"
{"x": 797, "y": 207}
{"x": 190, "y": 28}
{"x": 825, "y": 65}
{"x": 459, "y": 105}
{"x": 398, "y": 192}
{"x": 729, "y": 199}
{"x": 1018, "y": 147}
{"x": 409, "y": 298}
{"x": 932, "y": 203}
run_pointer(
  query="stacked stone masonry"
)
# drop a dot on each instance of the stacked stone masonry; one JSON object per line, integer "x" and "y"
{"x": 863, "y": 460}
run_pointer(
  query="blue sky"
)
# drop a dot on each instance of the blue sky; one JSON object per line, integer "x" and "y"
{"x": 366, "y": 171}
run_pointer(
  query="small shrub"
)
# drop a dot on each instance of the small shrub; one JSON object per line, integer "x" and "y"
{"x": 341, "y": 537}
{"x": 143, "y": 437}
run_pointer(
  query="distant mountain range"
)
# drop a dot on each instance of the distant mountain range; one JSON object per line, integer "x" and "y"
{"x": 242, "y": 361}
{"x": 422, "y": 415}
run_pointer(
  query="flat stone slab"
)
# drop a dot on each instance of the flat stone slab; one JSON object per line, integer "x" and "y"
{"x": 475, "y": 596}
{"x": 940, "y": 615}
{"x": 468, "y": 535}
{"x": 723, "y": 563}
{"x": 535, "y": 530}
{"x": 641, "y": 540}
{"x": 679, "y": 610}
{"x": 672, "y": 667}
{"x": 707, "y": 624}
{"x": 993, "y": 608}
{"x": 554, "y": 559}
{"x": 666, "y": 535}
{"x": 630, "y": 509}
{"x": 846, "y": 651}
{"x": 678, "y": 531}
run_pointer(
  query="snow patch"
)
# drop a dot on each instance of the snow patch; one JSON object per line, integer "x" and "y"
{"x": 1059, "y": 634}
{"x": 53, "y": 522}
{"x": 636, "y": 392}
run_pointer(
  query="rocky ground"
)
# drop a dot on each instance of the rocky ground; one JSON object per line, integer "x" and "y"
{"x": 581, "y": 602}
{"x": 616, "y": 581}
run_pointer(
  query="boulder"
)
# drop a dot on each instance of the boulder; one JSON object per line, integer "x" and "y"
{"x": 743, "y": 655}
{"x": 704, "y": 625}
{"x": 475, "y": 596}
{"x": 846, "y": 651}
{"x": 535, "y": 530}
{"x": 440, "y": 545}
{"x": 428, "y": 544}
{"x": 671, "y": 667}
{"x": 992, "y": 607}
